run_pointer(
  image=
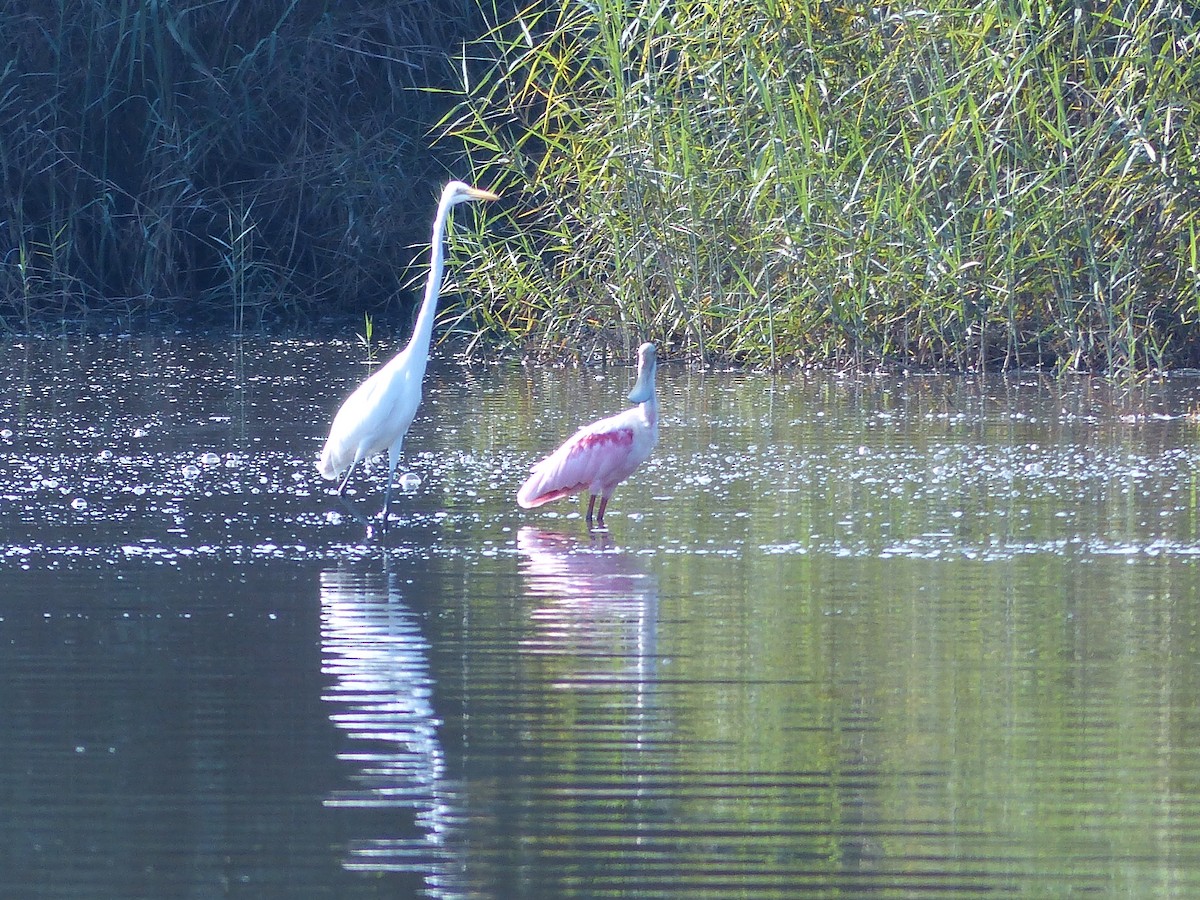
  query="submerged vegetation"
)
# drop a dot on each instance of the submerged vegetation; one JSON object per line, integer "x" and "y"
{"x": 968, "y": 186}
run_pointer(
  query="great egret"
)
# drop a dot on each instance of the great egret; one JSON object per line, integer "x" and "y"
{"x": 377, "y": 415}
{"x": 600, "y": 456}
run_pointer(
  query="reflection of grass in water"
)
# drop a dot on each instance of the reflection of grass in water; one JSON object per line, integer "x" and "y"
{"x": 951, "y": 186}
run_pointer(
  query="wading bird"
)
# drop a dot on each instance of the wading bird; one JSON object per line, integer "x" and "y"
{"x": 600, "y": 456}
{"x": 377, "y": 415}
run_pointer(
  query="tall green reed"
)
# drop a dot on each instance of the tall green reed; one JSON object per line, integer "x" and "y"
{"x": 1005, "y": 184}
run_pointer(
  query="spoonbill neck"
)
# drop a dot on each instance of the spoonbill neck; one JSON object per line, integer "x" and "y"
{"x": 643, "y": 389}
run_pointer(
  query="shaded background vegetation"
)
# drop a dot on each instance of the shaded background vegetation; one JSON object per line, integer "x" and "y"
{"x": 244, "y": 163}
{"x": 1001, "y": 184}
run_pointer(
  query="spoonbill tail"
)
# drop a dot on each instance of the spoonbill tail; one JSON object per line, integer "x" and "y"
{"x": 600, "y": 456}
{"x": 377, "y": 415}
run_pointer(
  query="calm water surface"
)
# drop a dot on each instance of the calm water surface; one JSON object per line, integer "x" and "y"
{"x": 845, "y": 636}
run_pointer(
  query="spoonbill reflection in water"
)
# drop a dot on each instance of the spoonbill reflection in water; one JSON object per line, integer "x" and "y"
{"x": 376, "y": 417}
{"x": 596, "y": 603}
{"x": 600, "y": 456}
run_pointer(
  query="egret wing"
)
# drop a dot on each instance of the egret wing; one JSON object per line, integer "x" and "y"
{"x": 373, "y": 418}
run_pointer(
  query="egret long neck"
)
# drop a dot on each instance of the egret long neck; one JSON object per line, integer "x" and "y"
{"x": 418, "y": 344}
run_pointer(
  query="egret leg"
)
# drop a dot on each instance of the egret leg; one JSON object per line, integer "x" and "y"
{"x": 387, "y": 504}
{"x": 346, "y": 479}
{"x": 591, "y": 506}
{"x": 393, "y": 461}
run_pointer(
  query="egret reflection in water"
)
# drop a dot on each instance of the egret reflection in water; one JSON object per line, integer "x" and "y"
{"x": 381, "y": 698}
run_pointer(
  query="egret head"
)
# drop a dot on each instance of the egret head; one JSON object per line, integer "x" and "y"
{"x": 643, "y": 389}
{"x": 460, "y": 192}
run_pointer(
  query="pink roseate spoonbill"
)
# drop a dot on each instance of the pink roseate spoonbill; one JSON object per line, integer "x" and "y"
{"x": 377, "y": 415}
{"x": 600, "y": 456}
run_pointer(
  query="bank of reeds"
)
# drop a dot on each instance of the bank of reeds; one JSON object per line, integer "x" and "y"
{"x": 229, "y": 162}
{"x": 972, "y": 186}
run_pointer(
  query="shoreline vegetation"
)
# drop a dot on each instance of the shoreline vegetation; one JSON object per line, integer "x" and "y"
{"x": 244, "y": 166}
{"x": 958, "y": 187}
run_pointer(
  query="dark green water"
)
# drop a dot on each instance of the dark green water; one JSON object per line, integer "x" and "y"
{"x": 844, "y": 637}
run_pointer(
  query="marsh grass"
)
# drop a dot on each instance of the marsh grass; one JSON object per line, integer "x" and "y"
{"x": 366, "y": 340}
{"x": 241, "y": 164}
{"x": 964, "y": 186}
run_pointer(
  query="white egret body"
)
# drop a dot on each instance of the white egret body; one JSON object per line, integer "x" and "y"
{"x": 600, "y": 456}
{"x": 376, "y": 417}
